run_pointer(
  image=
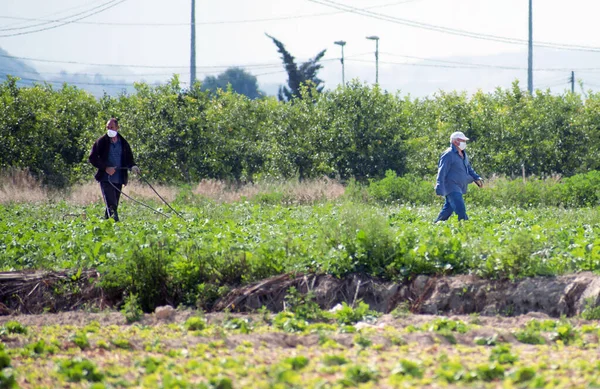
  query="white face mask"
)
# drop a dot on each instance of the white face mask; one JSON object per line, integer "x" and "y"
{"x": 111, "y": 133}
{"x": 462, "y": 145}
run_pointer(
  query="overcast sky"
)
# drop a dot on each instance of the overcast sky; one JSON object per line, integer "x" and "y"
{"x": 232, "y": 32}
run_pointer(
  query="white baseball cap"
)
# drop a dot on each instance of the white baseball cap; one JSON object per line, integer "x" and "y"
{"x": 458, "y": 135}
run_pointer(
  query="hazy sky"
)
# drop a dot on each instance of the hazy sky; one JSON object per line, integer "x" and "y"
{"x": 232, "y": 32}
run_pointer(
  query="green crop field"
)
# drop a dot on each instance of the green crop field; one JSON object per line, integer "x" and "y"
{"x": 301, "y": 348}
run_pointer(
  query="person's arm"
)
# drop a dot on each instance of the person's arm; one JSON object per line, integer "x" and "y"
{"x": 94, "y": 157}
{"x": 443, "y": 167}
{"x": 130, "y": 161}
{"x": 477, "y": 179}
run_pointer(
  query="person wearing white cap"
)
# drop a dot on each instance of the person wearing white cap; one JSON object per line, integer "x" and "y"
{"x": 112, "y": 156}
{"x": 454, "y": 175}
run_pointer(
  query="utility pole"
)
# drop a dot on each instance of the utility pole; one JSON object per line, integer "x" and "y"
{"x": 530, "y": 59}
{"x": 376, "y": 39}
{"x": 572, "y": 82}
{"x": 193, "y": 46}
{"x": 342, "y": 43}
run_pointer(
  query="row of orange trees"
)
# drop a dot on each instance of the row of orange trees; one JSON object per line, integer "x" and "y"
{"x": 358, "y": 132}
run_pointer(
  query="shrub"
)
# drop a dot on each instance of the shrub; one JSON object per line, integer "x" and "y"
{"x": 349, "y": 315}
{"x": 409, "y": 368}
{"x": 334, "y": 360}
{"x": 195, "y": 323}
{"x": 77, "y": 369}
{"x": 529, "y": 336}
{"x": 131, "y": 309}
{"x": 14, "y": 327}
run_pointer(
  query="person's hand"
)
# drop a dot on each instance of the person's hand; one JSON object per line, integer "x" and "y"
{"x": 135, "y": 169}
{"x": 110, "y": 170}
{"x": 479, "y": 183}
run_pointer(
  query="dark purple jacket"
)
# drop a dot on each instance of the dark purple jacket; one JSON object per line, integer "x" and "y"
{"x": 99, "y": 156}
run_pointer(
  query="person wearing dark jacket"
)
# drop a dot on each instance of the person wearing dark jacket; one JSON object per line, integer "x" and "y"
{"x": 112, "y": 156}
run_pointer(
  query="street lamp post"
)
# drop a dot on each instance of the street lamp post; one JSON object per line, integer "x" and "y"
{"x": 342, "y": 44}
{"x": 376, "y": 39}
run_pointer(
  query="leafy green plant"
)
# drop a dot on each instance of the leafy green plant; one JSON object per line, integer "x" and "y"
{"x": 349, "y": 315}
{"x": 79, "y": 369}
{"x": 590, "y": 310}
{"x": 409, "y": 368}
{"x": 565, "y": 333}
{"x": 81, "y": 340}
{"x": 529, "y": 336}
{"x": 304, "y": 306}
{"x": 243, "y": 325}
{"x": 502, "y": 354}
{"x": 121, "y": 343}
{"x": 288, "y": 322}
{"x": 489, "y": 371}
{"x": 131, "y": 309}
{"x": 7, "y": 379}
{"x": 362, "y": 341}
{"x": 195, "y": 323}
{"x": 334, "y": 360}
{"x": 359, "y": 374}
{"x": 4, "y": 360}
{"x": 298, "y": 362}
{"x": 14, "y": 327}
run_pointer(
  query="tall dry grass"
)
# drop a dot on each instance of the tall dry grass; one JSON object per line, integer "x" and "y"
{"x": 292, "y": 191}
{"x": 89, "y": 193}
{"x": 18, "y": 186}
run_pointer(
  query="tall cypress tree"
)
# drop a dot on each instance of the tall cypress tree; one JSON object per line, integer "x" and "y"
{"x": 298, "y": 75}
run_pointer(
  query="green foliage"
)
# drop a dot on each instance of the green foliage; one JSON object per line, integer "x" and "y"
{"x": 79, "y": 369}
{"x": 81, "y": 340}
{"x": 239, "y": 80}
{"x": 288, "y": 322}
{"x": 4, "y": 360}
{"x": 131, "y": 308}
{"x": 298, "y": 75}
{"x": 349, "y": 315}
{"x": 121, "y": 343}
{"x": 334, "y": 360}
{"x": 591, "y": 311}
{"x": 502, "y": 354}
{"x": 489, "y": 371}
{"x": 14, "y": 327}
{"x": 409, "y": 368}
{"x": 523, "y": 374}
{"x": 297, "y": 363}
{"x": 195, "y": 323}
{"x": 565, "y": 333}
{"x": 357, "y": 131}
{"x": 362, "y": 341}
{"x": 303, "y": 306}
{"x": 7, "y": 379}
{"x": 359, "y": 374}
{"x": 41, "y": 348}
{"x": 529, "y": 336}
{"x": 446, "y": 325}
{"x": 243, "y": 325}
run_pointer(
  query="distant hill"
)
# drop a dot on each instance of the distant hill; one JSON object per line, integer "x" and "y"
{"x": 16, "y": 67}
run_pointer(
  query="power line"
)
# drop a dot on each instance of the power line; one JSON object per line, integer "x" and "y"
{"x": 46, "y": 22}
{"x": 186, "y": 24}
{"x": 65, "y": 23}
{"x": 452, "y": 31}
{"x": 461, "y": 65}
{"x": 51, "y": 14}
{"x": 216, "y": 67}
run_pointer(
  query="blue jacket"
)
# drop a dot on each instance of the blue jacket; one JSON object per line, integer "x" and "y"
{"x": 454, "y": 173}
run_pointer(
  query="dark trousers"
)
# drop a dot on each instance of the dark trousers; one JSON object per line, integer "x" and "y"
{"x": 454, "y": 203}
{"x": 111, "y": 198}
